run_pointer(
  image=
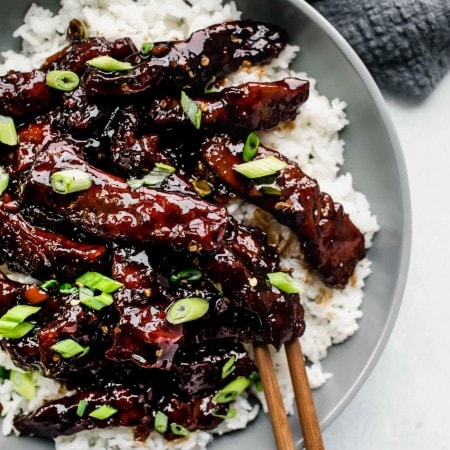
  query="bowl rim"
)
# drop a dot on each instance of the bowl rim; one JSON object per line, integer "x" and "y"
{"x": 406, "y": 228}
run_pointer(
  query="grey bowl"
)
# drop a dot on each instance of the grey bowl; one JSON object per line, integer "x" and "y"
{"x": 373, "y": 156}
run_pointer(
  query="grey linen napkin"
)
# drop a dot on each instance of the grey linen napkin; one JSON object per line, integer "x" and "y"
{"x": 404, "y": 43}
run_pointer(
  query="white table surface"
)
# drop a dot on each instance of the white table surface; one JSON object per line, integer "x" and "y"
{"x": 405, "y": 403}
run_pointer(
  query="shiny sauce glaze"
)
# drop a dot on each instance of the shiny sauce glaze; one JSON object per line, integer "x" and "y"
{"x": 118, "y": 127}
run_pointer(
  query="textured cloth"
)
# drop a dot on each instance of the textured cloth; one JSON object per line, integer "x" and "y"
{"x": 404, "y": 43}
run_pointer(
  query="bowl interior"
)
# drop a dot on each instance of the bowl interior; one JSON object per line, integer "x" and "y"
{"x": 374, "y": 158}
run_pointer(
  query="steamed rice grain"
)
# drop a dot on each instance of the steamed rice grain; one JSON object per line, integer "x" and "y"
{"x": 312, "y": 140}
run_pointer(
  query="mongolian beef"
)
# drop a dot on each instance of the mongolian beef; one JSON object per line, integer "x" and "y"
{"x": 117, "y": 167}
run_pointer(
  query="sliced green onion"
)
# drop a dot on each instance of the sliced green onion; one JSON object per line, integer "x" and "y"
{"x": 159, "y": 173}
{"x": 202, "y": 187}
{"x": 4, "y": 180}
{"x": 161, "y": 422}
{"x": 67, "y": 288}
{"x": 187, "y": 275}
{"x": 23, "y": 384}
{"x": 229, "y": 367}
{"x": 209, "y": 85}
{"x": 70, "y": 181}
{"x": 231, "y": 414}
{"x": 84, "y": 293}
{"x": 16, "y": 315}
{"x": 109, "y": 64}
{"x": 257, "y": 381}
{"x": 147, "y": 47}
{"x": 8, "y": 133}
{"x": 104, "y": 412}
{"x": 135, "y": 183}
{"x": 98, "y": 302}
{"x": 95, "y": 280}
{"x": 186, "y": 310}
{"x": 192, "y": 111}
{"x": 284, "y": 282}
{"x": 232, "y": 390}
{"x": 62, "y": 80}
{"x": 250, "y": 147}
{"x": 270, "y": 189}
{"x": 4, "y": 373}
{"x": 49, "y": 285}
{"x": 179, "y": 430}
{"x": 68, "y": 348}
{"x": 81, "y": 408}
{"x": 260, "y": 167}
{"x": 17, "y": 332}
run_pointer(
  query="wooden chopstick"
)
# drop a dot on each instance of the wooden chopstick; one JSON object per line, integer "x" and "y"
{"x": 278, "y": 417}
{"x": 303, "y": 398}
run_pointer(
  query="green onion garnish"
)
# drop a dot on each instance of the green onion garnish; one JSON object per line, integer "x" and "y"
{"x": 147, "y": 47}
{"x": 4, "y": 373}
{"x": 186, "y": 275}
{"x": 49, "y": 285}
{"x": 23, "y": 384}
{"x": 8, "y": 133}
{"x": 104, "y": 412}
{"x": 68, "y": 348}
{"x": 95, "y": 280}
{"x": 250, "y": 147}
{"x": 158, "y": 174}
{"x": 4, "y": 180}
{"x": 179, "y": 430}
{"x": 210, "y": 85}
{"x": 62, "y": 80}
{"x": 17, "y": 332}
{"x": 268, "y": 185}
{"x": 161, "y": 422}
{"x": 202, "y": 187}
{"x": 186, "y": 310}
{"x": 81, "y": 408}
{"x": 284, "y": 282}
{"x": 70, "y": 181}
{"x": 231, "y": 414}
{"x": 228, "y": 367}
{"x": 192, "y": 111}
{"x": 109, "y": 64}
{"x": 260, "y": 167}
{"x": 67, "y": 288}
{"x": 135, "y": 183}
{"x": 98, "y": 302}
{"x": 12, "y": 323}
{"x": 257, "y": 381}
{"x": 84, "y": 293}
{"x": 232, "y": 390}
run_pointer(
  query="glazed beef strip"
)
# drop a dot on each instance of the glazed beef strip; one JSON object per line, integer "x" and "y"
{"x": 24, "y": 94}
{"x": 75, "y": 56}
{"x": 253, "y": 106}
{"x": 10, "y": 291}
{"x": 213, "y": 51}
{"x": 142, "y": 335}
{"x": 32, "y": 138}
{"x": 331, "y": 243}
{"x": 60, "y": 418}
{"x": 45, "y": 254}
{"x": 111, "y": 209}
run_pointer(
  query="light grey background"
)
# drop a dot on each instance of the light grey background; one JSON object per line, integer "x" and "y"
{"x": 405, "y": 403}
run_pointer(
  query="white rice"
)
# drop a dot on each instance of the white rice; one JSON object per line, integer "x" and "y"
{"x": 331, "y": 315}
